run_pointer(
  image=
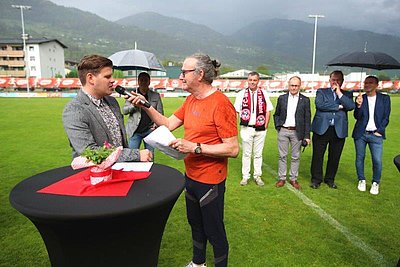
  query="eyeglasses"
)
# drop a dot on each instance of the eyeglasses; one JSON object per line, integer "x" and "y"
{"x": 183, "y": 72}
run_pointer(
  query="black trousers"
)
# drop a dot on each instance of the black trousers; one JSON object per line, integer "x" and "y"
{"x": 205, "y": 214}
{"x": 320, "y": 143}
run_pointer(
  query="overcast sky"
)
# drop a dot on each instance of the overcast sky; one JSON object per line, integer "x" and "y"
{"x": 226, "y": 16}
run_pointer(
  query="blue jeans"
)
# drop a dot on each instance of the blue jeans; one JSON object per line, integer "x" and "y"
{"x": 375, "y": 144}
{"x": 136, "y": 139}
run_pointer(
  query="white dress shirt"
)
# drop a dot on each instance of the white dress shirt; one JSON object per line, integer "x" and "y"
{"x": 371, "y": 109}
{"x": 291, "y": 110}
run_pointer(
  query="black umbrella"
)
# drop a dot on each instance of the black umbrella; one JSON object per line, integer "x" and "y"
{"x": 369, "y": 60}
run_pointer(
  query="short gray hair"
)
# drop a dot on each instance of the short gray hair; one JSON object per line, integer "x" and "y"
{"x": 253, "y": 73}
{"x": 295, "y": 77}
{"x": 208, "y": 65}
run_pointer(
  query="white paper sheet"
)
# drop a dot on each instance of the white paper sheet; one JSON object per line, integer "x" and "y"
{"x": 160, "y": 138}
{"x": 133, "y": 166}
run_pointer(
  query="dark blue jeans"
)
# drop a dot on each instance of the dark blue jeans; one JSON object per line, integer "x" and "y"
{"x": 136, "y": 140}
{"x": 375, "y": 144}
{"x": 205, "y": 214}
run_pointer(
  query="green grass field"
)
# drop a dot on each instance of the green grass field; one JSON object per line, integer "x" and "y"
{"x": 266, "y": 226}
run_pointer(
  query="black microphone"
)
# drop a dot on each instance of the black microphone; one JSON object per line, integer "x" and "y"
{"x": 121, "y": 90}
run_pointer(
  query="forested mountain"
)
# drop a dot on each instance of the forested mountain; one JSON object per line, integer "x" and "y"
{"x": 281, "y": 45}
{"x": 294, "y": 40}
{"x": 178, "y": 28}
{"x": 86, "y": 33}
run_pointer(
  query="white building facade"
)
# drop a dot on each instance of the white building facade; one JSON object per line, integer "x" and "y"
{"x": 45, "y": 58}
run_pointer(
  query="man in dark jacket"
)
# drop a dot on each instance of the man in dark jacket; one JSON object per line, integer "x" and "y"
{"x": 329, "y": 126}
{"x": 372, "y": 114}
{"x": 292, "y": 119}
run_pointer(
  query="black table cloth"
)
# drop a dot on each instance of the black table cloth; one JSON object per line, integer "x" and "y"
{"x": 101, "y": 231}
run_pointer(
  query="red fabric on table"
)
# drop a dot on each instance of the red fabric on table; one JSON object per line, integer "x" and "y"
{"x": 79, "y": 184}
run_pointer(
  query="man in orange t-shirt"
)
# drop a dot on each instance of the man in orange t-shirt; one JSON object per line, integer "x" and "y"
{"x": 209, "y": 120}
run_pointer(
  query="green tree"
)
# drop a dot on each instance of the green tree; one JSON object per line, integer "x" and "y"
{"x": 72, "y": 74}
{"x": 224, "y": 70}
{"x": 118, "y": 74}
{"x": 382, "y": 76}
{"x": 263, "y": 69}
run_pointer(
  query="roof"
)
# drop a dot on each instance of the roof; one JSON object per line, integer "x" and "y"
{"x": 240, "y": 74}
{"x": 30, "y": 41}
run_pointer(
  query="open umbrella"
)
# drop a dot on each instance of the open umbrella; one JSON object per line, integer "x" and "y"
{"x": 135, "y": 59}
{"x": 363, "y": 59}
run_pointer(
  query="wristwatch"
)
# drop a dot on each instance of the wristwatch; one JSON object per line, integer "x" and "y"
{"x": 197, "y": 150}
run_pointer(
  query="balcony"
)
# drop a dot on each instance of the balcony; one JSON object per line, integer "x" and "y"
{"x": 12, "y": 73}
{"x": 11, "y": 53}
{"x": 12, "y": 63}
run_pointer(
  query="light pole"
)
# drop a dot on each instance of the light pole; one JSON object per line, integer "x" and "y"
{"x": 315, "y": 38}
{"x": 24, "y": 38}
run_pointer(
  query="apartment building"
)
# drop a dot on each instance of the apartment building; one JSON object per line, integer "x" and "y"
{"x": 45, "y": 58}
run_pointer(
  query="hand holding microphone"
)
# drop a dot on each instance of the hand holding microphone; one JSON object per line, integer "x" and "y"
{"x": 121, "y": 90}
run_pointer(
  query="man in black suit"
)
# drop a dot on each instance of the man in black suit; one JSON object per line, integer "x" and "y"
{"x": 329, "y": 127}
{"x": 292, "y": 119}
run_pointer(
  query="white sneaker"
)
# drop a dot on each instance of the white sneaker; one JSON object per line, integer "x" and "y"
{"x": 258, "y": 181}
{"x": 244, "y": 181}
{"x": 362, "y": 185}
{"x": 191, "y": 264}
{"x": 374, "y": 188}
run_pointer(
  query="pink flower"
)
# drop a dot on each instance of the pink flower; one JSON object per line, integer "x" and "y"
{"x": 107, "y": 145}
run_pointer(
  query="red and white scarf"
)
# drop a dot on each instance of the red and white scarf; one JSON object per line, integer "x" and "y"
{"x": 261, "y": 109}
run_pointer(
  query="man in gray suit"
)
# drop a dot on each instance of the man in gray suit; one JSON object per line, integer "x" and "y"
{"x": 292, "y": 119}
{"x": 94, "y": 117}
{"x": 329, "y": 126}
{"x": 139, "y": 124}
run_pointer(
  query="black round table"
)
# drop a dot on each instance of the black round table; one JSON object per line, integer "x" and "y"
{"x": 101, "y": 231}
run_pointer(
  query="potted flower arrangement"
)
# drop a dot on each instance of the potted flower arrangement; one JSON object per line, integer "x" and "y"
{"x": 100, "y": 160}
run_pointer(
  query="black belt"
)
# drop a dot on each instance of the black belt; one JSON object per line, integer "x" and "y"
{"x": 252, "y": 126}
{"x": 371, "y": 132}
{"x": 289, "y": 128}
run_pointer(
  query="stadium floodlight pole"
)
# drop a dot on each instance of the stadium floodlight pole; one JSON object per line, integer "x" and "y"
{"x": 24, "y": 38}
{"x": 316, "y": 17}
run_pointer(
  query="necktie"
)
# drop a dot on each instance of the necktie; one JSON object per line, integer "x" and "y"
{"x": 332, "y": 121}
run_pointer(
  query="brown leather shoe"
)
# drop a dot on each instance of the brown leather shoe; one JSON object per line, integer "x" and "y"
{"x": 295, "y": 184}
{"x": 280, "y": 183}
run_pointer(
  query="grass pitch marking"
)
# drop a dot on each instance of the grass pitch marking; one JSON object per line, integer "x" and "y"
{"x": 355, "y": 240}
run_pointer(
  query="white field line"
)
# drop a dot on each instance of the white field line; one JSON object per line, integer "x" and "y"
{"x": 355, "y": 240}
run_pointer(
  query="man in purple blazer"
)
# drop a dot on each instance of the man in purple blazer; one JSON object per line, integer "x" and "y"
{"x": 329, "y": 127}
{"x": 372, "y": 114}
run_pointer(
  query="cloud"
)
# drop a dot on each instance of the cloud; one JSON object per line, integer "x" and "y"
{"x": 227, "y": 16}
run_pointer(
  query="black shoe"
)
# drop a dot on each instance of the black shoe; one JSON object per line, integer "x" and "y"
{"x": 314, "y": 186}
{"x": 332, "y": 185}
